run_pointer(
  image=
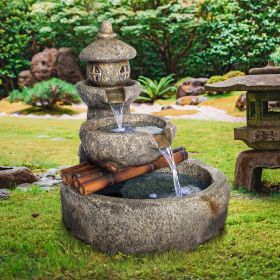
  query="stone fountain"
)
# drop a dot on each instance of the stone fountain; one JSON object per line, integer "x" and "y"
{"x": 120, "y": 218}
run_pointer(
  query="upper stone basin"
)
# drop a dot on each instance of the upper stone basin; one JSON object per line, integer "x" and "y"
{"x": 124, "y": 149}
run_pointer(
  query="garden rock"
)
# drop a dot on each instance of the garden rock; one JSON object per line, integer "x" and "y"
{"x": 191, "y": 100}
{"x": 4, "y": 194}
{"x": 51, "y": 63}
{"x": 241, "y": 102}
{"x": 191, "y": 87}
{"x": 67, "y": 67}
{"x": 167, "y": 107}
{"x": 43, "y": 64}
{"x": 25, "y": 79}
{"x": 13, "y": 176}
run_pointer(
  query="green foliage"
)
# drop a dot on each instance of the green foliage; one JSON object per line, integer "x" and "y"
{"x": 162, "y": 31}
{"x": 16, "y": 38}
{"x": 233, "y": 74}
{"x": 275, "y": 56}
{"x": 238, "y": 34}
{"x": 153, "y": 90}
{"x": 188, "y": 38}
{"x": 47, "y": 94}
{"x": 216, "y": 79}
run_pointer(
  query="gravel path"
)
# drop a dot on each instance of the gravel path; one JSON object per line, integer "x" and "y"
{"x": 204, "y": 113}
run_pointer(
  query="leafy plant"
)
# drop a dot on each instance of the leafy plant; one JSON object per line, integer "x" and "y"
{"x": 47, "y": 94}
{"x": 153, "y": 90}
{"x": 275, "y": 56}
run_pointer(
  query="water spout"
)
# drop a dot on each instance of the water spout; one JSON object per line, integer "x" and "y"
{"x": 117, "y": 109}
{"x": 168, "y": 155}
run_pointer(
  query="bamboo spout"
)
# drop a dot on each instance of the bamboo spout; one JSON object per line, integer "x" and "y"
{"x": 94, "y": 185}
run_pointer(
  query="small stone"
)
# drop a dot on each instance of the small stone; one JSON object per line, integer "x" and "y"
{"x": 167, "y": 107}
{"x": 152, "y": 195}
{"x": 57, "y": 139}
{"x": 4, "y": 194}
{"x": 51, "y": 172}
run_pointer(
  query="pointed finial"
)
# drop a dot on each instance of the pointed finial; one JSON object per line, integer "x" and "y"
{"x": 106, "y": 30}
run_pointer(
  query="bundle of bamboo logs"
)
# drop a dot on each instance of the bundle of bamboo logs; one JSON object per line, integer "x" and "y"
{"x": 88, "y": 178}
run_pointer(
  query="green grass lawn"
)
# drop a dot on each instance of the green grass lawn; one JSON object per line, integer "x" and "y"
{"x": 39, "y": 247}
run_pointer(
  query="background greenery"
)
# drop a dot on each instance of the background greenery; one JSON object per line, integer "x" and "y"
{"x": 185, "y": 38}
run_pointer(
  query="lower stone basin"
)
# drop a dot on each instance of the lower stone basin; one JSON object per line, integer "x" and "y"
{"x": 138, "y": 226}
{"x": 124, "y": 149}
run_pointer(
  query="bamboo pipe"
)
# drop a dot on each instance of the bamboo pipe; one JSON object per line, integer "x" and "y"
{"x": 89, "y": 177}
{"x": 71, "y": 168}
{"x": 81, "y": 178}
{"x": 67, "y": 178}
{"x": 129, "y": 173}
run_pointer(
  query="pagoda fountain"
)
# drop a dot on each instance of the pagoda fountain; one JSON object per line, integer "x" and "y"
{"x": 121, "y": 197}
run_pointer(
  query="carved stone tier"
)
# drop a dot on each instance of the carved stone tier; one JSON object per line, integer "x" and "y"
{"x": 124, "y": 149}
{"x": 249, "y": 165}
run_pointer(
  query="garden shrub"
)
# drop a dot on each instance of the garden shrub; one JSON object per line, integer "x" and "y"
{"x": 233, "y": 74}
{"x": 47, "y": 94}
{"x": 153, "y": 90}
{"x": 275, "y": 56}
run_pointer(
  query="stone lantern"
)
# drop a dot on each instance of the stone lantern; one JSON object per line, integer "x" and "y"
{"x": 262, "y": 132}
{"x": 108, "y": 63}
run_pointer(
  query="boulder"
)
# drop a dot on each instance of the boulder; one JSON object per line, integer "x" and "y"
{"x": 43, "y": 64}
{"x": 191, "y": 87}
{"x": 191, "y": 100}
{"x": 13, "y": 176}
{"x": 185, "y": 100}
{"x": 67, "y": 67}
{"x": 25, "y": 79}
{"x": 241, "y": 102}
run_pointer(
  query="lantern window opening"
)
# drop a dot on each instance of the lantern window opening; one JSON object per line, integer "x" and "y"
{"x": 124, "y": 72}
{"x": 252, "y": 109}
{"x": 269, "y": 111}
{"x": 96, "y": 73}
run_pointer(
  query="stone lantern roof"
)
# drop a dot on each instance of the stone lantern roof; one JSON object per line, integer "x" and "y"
{"x": 259, "y": 79}
{"x": 106, "y": 48}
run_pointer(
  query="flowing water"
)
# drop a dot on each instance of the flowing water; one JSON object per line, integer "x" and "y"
{"x": 117, "y": 109}
{"x": 168, "y": 155}
{"x": 134, "y": 128}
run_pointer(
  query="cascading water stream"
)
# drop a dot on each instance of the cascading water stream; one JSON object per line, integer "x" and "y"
{"x": 117, "y": 109}
{"x": 168, "y": 155}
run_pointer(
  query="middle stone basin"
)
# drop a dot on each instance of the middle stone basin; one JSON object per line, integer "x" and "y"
{"x": 121, "y": 149}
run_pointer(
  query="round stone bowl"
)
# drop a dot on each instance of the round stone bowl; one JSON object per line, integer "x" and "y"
{"x": 139, "y": 226}
{"x": 120, "y": 150}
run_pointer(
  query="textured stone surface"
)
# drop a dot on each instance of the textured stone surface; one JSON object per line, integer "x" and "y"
{"x": 241, "y": 102}
{"x": 96, "y": 97}
{"x": 191, "y": 87}
{"x": 67, "y": 67}
{"x": 191, "y": 100}
{"x": 25, "y": 79}
{"x": 106, "y": 48}
{"x": 43, "y": 64}
{"x": 260, "y": 138}
{"x": 249, "y": 165}
{"x": 13, "y": 176}
{"x": 140, "y": 226}
{"x": 4, "y": 194}
{"x": 123, "y": 149}
{"x": 249, "y": 82}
